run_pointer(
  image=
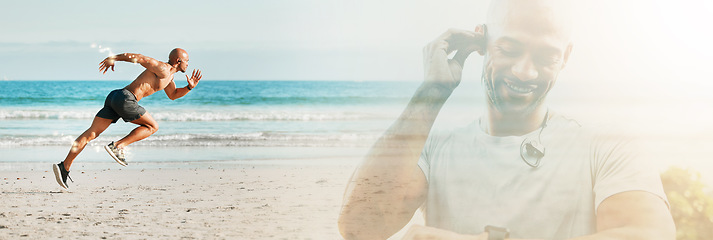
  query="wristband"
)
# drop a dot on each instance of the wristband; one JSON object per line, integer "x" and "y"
{"x": 189, "y": 87}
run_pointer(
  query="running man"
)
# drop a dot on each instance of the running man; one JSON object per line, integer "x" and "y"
{"x": 123, "y": 103}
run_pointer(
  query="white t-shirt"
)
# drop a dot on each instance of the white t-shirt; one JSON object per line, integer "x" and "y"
{"x": 475, "y": 180}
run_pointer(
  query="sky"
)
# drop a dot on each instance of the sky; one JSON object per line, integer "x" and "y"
{"x": 235, "y": 40}
{"x": 324, "y": 39}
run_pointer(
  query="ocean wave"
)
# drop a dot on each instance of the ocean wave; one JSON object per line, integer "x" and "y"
{"x": 255, "y": 139}
{"x": 40, "y": 114}
{"x": 198, "y": 116}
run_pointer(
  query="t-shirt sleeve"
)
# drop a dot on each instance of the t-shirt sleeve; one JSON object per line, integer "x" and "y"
{"x": 619, "y": 166}
{"x": 424, "y": 161}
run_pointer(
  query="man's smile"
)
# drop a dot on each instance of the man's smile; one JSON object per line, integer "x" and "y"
{"x": 520, "y": 88}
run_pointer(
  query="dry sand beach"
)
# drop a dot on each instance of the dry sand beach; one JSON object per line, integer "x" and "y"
{"x": 258, "y": 200}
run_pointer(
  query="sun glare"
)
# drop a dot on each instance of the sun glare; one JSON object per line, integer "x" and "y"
{"x": 646, "y": 65}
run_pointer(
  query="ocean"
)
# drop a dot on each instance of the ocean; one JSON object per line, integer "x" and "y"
{"x": 217, "y": 121}
{"x": 324, "y": 122}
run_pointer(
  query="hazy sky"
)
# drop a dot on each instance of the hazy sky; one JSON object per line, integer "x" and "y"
{"x": 330, "y": 39}
{"x": 270, "y": 39}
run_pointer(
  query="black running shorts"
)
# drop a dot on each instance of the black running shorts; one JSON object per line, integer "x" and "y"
{"x": 121, "y": 103}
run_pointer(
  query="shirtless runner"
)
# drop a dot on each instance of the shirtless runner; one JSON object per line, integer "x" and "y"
{"x": 123, "y": 103}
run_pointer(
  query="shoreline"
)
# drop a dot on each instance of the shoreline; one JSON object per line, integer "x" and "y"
{"x": 95, "y": 157}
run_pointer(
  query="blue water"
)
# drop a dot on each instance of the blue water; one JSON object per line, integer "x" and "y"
{"x": 216, "y": 113}
{"x": 218, "y": 120}
{"x": 212, "y": 93}
{"x": 260, "y": 120}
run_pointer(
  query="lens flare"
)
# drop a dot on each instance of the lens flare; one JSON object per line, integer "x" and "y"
{"x": 102, "y": 49}
{"x": 75, "y": 148}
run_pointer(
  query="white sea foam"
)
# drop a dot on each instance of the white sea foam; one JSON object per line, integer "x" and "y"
{"x": 199, "y": 116}
{"x": 39, "y": 114}
{"x": 255, "y": 139}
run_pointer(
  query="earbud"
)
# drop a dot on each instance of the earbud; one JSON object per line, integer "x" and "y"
{"x": 535, "y": 149}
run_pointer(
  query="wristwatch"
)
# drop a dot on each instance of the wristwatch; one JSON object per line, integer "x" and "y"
{"x": 497, "y": 233}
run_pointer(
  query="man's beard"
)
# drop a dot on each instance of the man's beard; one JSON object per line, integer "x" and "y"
{"x": 500, "y": 104}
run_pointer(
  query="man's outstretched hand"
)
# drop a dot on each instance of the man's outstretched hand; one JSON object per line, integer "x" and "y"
{"x": 106, "y": 64}
{"x": 195, "y": 77}
{"x": 438, "y": 68}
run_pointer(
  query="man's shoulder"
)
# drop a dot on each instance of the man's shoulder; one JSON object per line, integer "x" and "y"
{"x": 159, "y": 68}
{"x": 164, "y": 69}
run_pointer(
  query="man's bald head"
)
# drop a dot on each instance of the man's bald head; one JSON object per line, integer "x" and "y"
{"x": 177, "y": 54}
{"x": 539, "y": 17}
{"x": 178, "y": 58}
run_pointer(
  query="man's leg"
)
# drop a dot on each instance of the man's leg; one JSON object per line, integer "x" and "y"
{"x": 147, "y": 126}
{"x": 98, "y": 126}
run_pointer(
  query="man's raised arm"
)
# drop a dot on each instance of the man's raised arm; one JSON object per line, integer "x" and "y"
{"x": 155, "y": 66}
{"x": 388, "y": 187}
{"x": 175, "y": 93}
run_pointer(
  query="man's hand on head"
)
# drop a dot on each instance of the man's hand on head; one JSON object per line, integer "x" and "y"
{"x": 195, "y": 77}
{"x": 438, "y": 67}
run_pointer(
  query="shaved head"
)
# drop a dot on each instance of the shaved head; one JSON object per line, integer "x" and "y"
{"x": 177, "y": 54}
{"x": 537, "y": 16}
{"x": 179, "y": 59}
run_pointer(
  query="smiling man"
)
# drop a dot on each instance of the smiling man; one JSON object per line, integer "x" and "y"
{"x": 520, "y": 171}
{"x": 123, "y": 103}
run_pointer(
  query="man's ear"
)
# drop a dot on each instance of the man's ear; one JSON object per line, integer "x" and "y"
{"x": 566, "y": 54}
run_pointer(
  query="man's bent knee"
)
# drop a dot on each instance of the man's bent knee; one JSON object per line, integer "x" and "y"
{"x": 152, "y": 127}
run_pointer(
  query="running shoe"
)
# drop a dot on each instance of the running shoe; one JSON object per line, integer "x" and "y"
{"x": 116, "y": 153}
{"x": 61, "y": 174}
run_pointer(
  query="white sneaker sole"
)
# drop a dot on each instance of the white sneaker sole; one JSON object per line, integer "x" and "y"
{"x": 58, "y": 176}
{"x": 111, "y": 153}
